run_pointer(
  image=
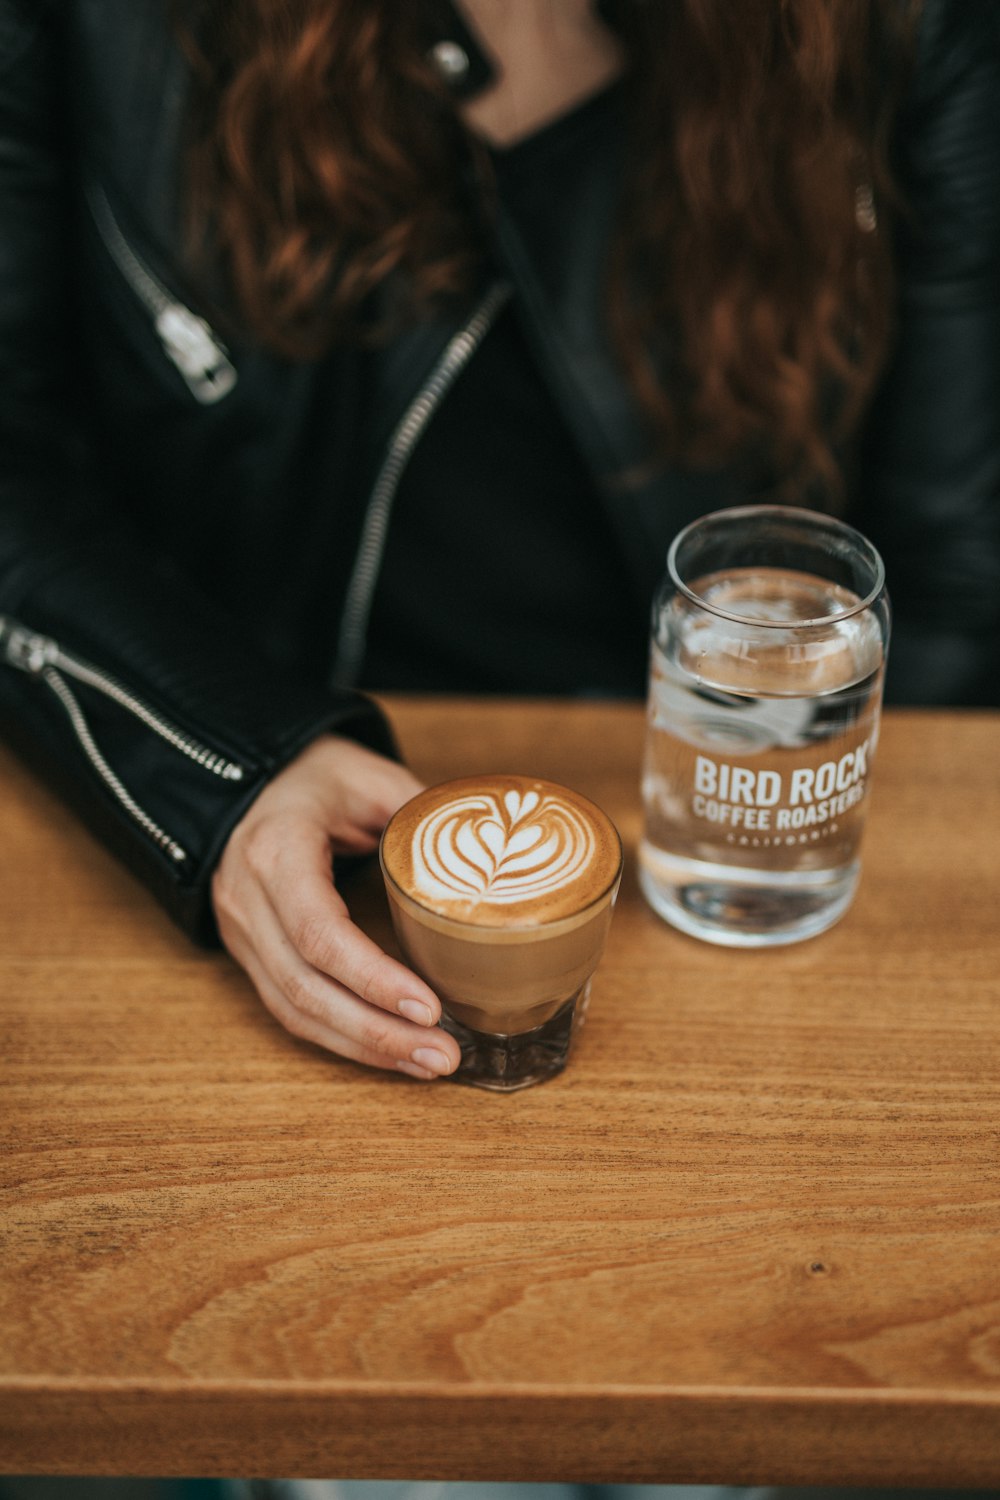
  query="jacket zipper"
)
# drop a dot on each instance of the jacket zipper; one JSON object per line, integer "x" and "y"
{"x": 44, "y": 658}
{"x": 187, "y": 339}
{"x": 354, "y": 619}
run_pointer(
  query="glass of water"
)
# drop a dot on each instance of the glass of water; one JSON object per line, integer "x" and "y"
{"x": 768, "y": 651}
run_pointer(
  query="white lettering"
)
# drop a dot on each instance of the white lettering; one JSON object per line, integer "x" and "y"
{"x": 741, "y": 797}
{"x": 802, "y": 780}
{"x": 768, "y": 789}
{"x": 706, "y": 774}
{"x": 826, "y": 778}
{"x": 742, "y": 785}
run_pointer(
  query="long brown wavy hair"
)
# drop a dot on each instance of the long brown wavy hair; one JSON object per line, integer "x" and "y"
{"x": 749, "y": 289}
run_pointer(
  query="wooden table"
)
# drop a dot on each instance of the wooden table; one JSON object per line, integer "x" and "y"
{"x": 753, "y": 1233}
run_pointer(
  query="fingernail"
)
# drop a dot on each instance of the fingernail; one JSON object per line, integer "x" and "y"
{"x": 414, "y": 1071}
{"x": 416, "y": 1010}
{"x": 429, "y": 1057}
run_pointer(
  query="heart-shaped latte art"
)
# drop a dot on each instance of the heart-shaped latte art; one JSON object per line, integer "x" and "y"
{"x": 500, "y": 850}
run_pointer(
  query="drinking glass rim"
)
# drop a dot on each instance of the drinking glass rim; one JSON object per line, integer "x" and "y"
{"x": 790, "y": 512}
{"x": 519, "y": 929}
{"x": 513, "y": 927}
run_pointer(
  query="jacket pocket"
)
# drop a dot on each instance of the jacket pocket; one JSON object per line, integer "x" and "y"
{"x": 58, "y": 670}
{"x": 188, "y": 342}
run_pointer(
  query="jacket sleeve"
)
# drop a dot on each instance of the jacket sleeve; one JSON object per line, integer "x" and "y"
{"x": 123, "y": 684}
{"x": 930, "y": 474}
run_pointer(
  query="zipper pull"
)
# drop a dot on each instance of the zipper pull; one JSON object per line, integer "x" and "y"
{"x": 25, "y": 649}
{"x": 199, "y": 357}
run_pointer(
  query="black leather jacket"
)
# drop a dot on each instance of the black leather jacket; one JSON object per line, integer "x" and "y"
{"x": 180, "y": 516}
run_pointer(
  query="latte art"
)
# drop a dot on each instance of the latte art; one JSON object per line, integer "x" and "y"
{"x": 499, "y": 852}
{"x": 497, "y": 849}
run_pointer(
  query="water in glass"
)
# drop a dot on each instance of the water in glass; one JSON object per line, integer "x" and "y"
{"x": 759, "y": 752}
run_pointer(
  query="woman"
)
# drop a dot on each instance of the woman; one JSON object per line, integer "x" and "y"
{"x": 349, "y": 343}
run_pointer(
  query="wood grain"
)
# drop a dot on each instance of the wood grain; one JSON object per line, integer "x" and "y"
{"x": 750, "y": 1235}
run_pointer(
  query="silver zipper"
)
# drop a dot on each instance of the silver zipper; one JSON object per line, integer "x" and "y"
{"x": 187, "y": 339}
{"x": 42, "y": 657}
{"x": 361, "y": 589}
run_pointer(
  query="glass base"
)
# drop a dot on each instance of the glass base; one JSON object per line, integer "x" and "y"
{"x": 737, "y": 908}
{"x": 506, "y": 1063}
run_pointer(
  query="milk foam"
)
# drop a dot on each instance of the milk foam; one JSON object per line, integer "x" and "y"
{"x": 501, "y": 854}
{"x": 499, "y": 849}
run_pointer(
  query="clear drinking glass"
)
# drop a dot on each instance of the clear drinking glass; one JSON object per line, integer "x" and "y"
{"x": 768, "y": 651}
{"x": 501, "y": 890}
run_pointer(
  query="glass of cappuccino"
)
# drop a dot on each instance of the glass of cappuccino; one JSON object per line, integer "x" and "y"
{"x": 769, "y": 641}
{"x": 501, "y": 890}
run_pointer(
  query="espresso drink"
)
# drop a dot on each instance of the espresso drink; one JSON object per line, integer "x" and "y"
{"x": 501, "y": 890}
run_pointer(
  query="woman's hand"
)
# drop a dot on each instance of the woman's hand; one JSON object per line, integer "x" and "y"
{"x": 283, "y": 921}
